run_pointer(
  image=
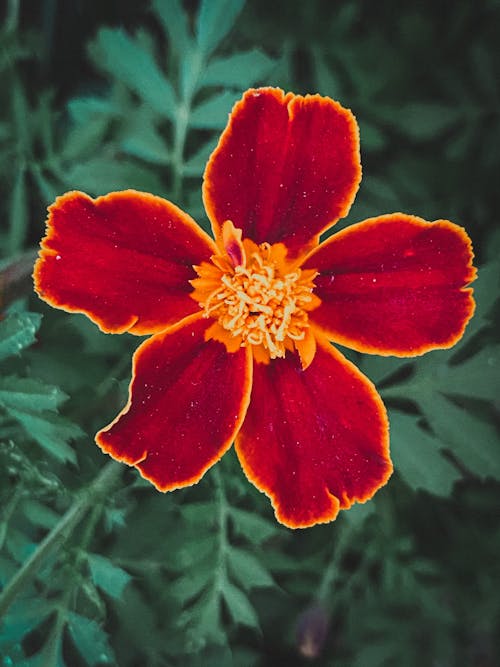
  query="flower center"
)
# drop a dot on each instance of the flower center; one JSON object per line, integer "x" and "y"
{"x": 255, "y": 298}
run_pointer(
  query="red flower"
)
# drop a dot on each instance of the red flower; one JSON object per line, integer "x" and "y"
{"x": 241, "y": 349}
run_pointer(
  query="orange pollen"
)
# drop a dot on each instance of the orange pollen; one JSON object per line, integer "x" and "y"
{"x": 259, "y": 302}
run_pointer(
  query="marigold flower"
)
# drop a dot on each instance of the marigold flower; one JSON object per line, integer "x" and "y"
{"x": 242, "y": 325}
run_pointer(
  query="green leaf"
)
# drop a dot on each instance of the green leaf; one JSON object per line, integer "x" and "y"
{"x": 39, "y": 514}
{"x": 418, "y": 458}
{"x": 142, "y": 139}
{"x": 192, "y": 584}
{"x": 470, "y": 439}
{"x": 486, "y": 292}
{"x": 84, "y": 139}
{"x": 18, "y": 223}
{"x": 252, "y": 526}
{"x": 85, "y": 109}
{"x": 247, "y": 570}
{"x": 23, "y": 617}
{"x": 90, "y": 639}
{"x": 111, "y": 578}
{"x": 478, "y": 377}
{"x": 175, "y": 23}
{"x": 195, "y": 165}
{"x": 115, "y": 52}
{"x": 422, "y": 121}
{"x": 215, "y": 20}
{"x": 29, "y": 394}
{"x": 18, "y": 331}
{"x": 239, "y": 606}
{"x": 100, "y": 175}
{"x": 240, "y": 70}
{"x": 50, "y": 430}
{"x": 358, "y": 513}
{"x": 191, "y": 554}
{"x": 212, "y": 113}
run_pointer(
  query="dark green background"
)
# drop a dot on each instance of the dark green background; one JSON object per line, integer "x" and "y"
{"x": 205, "y": 576}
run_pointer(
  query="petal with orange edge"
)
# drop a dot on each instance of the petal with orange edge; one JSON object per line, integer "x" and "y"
{"x": 315, "y": 440}
{"x": 285, "y": 169}
{"x": 188, "y": 398}
{"x": 394, "y": 285}
{"x": 124, "y": 260}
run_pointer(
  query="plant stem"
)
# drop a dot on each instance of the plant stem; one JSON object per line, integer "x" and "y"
{"x": 97, "y": 490}
{"x": 190, "y": 87}
{"x": 12, "y": 16}
{"x": 220, "y": 572}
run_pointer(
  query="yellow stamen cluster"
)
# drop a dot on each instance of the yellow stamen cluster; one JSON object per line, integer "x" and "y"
{"x": 259, "y": 302}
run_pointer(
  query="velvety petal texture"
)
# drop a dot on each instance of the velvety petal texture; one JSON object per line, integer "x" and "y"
{"x": 286, "y": 168}
{"x": 124, "y": 260}
{"x": 188, "y": 398}
{"x": 394, "y": 285}
{"x": 314, "y": 441}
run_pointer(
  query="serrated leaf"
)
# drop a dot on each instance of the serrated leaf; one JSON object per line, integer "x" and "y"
{"x": 478, "y": 377}
{"x": 142, "y": 139}
{"x": 100, "y": 175}
{"x": 18, "y": 331}
{"x": 84, "y": 139}
{"x": 239, "y": 606}
{"x": 90, "y": 639}
{"x": 39, "y": 514}
{"x": 204, "y": 618}
{"x": 486, "y": 292}
{"x": 195, "y": 165}
{"x": 252, "y": 526}
{"x": 212, "y": 114}
{"x": 85, "y": 109}
{"x": 418, "y": 458}
{"x": 189, "y": 554}
{"x": 118, "y": 54}
{"x": 111, "y": 578}
{"x": 175, "y": 23}
{"x": 190, "y": 585}
{"x": 472, "y": 440}
{"x": 198, "y": 512}
{"x": 29, "y": 394}
{"x": 23, "y": 617}
{"x": 215, "y": 19}
{"x": 240, "y": 70}
{"x": 247, "y": 570}
{"x": 50, "y": 430}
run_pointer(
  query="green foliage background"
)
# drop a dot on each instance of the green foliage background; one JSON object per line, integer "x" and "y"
{"x": 97, "y": 568}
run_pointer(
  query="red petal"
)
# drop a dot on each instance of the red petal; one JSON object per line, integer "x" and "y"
{"x": 187, "y": 401}
{"x": 314, "y": 440}
{"x": 394, "y": 285}
{"x": 286, "y": 168}
{"x": 124, "y": 260}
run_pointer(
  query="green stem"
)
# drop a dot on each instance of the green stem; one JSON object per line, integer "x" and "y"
{"x": 8, "y": 511}
{"x": 220, "y": 573}
{"x": 332, "y": 571}
{"x": 12, "y": 16}
{"x": 53, "y": 644}
{"x": 182, "y": 123}
{"x": 97, "y": 491}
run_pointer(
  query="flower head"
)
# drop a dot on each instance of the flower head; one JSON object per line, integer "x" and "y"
{"x": 241, "y": 325}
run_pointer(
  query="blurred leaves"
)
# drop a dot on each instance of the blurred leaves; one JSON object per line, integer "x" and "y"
{"x": 205, "y": 576}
